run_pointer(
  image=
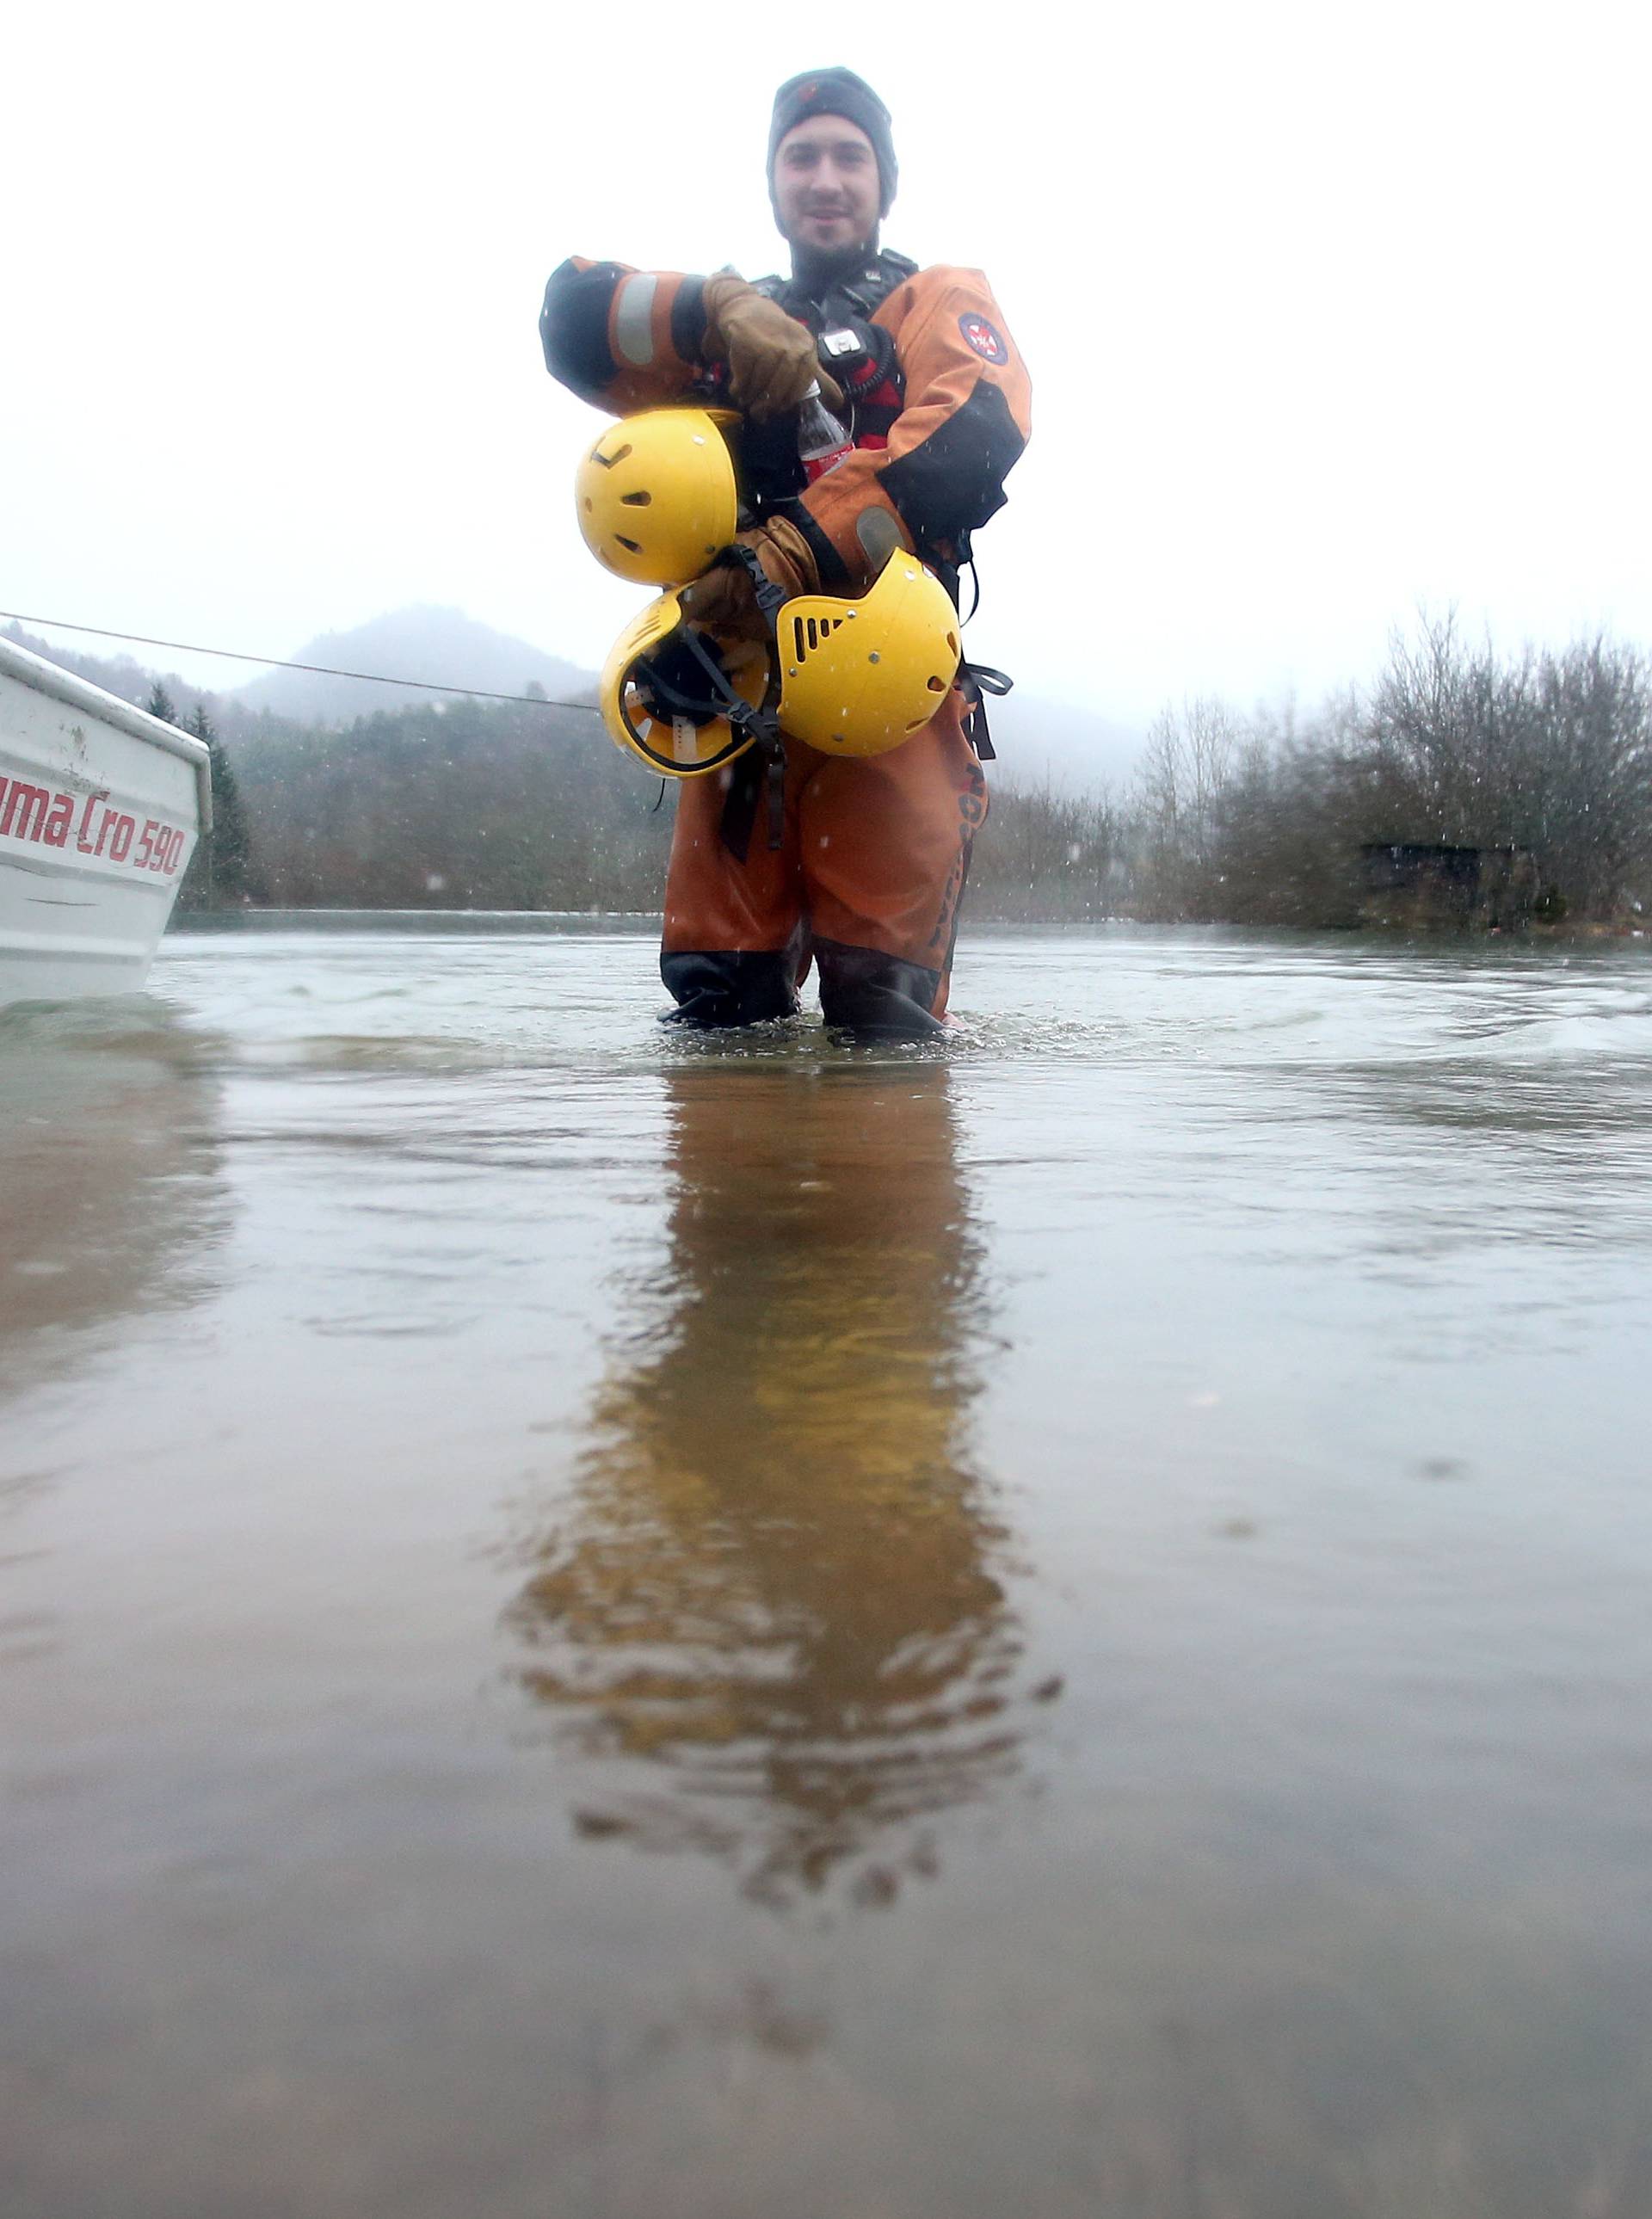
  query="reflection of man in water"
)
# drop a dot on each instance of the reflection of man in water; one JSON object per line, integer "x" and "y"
{"x": 776, "y": 1580}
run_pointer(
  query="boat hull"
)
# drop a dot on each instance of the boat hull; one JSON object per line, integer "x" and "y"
{"x": 101, "y": 806}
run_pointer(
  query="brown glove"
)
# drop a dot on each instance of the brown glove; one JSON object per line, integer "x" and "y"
{"x": 771, "y": 356}
{"x": 724, "y": 600}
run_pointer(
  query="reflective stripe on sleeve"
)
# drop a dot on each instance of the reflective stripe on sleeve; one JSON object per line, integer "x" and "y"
{"x": 634, "y": 320}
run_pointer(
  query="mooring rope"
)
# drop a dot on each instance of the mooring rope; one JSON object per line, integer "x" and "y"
{"x": 278, "y": 662}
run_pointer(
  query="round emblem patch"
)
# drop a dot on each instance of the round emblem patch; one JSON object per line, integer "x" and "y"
{"x": 981, "y": 337}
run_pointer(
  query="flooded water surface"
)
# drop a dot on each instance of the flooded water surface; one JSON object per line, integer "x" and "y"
{"x": 595, "y": 1622}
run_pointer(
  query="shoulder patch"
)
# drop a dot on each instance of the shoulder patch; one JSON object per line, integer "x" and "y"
{"x": 980, "y": 335}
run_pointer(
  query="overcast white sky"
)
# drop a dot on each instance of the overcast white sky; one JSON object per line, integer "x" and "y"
{"x": 1329, "y": 310}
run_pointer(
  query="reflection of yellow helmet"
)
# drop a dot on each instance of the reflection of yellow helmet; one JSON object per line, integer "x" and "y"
{"x": 859, "y": 677}
{"x": 656, "y": 496}
{"x": 658, "y": 656}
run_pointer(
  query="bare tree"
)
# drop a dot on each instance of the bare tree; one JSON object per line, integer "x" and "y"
{"x": 1189, "y": 761}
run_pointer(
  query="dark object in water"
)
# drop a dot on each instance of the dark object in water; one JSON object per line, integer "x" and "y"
{"x": 1430, "y": 883}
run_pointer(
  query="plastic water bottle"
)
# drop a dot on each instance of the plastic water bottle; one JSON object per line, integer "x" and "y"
{"x": 823, "y": 443}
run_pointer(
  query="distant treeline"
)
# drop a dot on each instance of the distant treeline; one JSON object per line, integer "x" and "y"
{"x": 1465, "y": 787}
{"x": 220, "y": 874}
{"x": 477, "y": 806}
{"x": 458, "y": 805}
{"x": 1462, "y": 767}
{"x": 1539, "y": 762}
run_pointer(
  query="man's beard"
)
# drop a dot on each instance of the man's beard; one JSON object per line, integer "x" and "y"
{"x": 817, "y": 268}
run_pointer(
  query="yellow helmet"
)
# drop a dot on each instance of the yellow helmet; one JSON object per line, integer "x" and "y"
{"x": 656, "y": 496}
{"x": 683, "y": 700}
{"x": 851, "y": 678}
{"x": 859, "y": 677}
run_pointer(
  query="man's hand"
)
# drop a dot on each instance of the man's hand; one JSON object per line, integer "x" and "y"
{"x": 723, "y": 600}
{"x": 771, "y": 356}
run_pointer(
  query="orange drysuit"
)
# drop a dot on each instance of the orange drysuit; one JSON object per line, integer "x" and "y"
{"x": 874, "y": 851}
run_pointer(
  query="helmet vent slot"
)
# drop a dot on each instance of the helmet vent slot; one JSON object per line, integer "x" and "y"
{"x": 636, "y": 500}
{"x": 609, "y": 461}
{"x": 810, "y": 632}
{"x": 937, "y": 685}
{"x": 631, "y": 546}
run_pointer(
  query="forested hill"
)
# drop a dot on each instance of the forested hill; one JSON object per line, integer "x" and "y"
{"x": 119, "y": 675}
{"x": 453, "y": 803}
{"x": 461, "y": 805}
{"x": 449, "y": 803}
{"x": 1458, "y": 774}
{"x": 440, "y": 648}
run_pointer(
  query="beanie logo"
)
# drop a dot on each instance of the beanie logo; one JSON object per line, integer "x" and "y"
{"x": 980, "y": 335}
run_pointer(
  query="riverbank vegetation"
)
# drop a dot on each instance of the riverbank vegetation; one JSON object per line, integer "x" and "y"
{"x": 1465, "y": 787}
{"x": 1536, "y": 765}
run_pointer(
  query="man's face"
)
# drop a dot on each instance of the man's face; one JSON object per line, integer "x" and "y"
{"x": 826, "y": 184}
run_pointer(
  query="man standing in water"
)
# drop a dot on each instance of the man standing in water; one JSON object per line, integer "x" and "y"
{"x": 933, "y": 401}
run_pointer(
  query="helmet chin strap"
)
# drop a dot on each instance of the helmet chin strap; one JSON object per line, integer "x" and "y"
{"x": 770, "y": 598}
{"x": 764, "y": 723}
{"x": 760, "y": 720}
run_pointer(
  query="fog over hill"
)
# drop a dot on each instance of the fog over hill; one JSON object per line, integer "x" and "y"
{"x": 1537, "y": 769}
{"x": 437, "y": 646}
{"x": 128, "y": 681}
{"x": 1037, "y": 739}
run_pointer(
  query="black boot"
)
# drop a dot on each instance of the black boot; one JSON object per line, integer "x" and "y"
{"x": 716, "y": 989}
{"x": 876, "y": 997}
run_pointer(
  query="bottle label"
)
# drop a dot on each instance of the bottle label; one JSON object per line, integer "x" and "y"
{"x": 815, "y": 466}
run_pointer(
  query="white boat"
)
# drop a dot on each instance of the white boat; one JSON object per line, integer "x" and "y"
{"x": 100, "y": 805}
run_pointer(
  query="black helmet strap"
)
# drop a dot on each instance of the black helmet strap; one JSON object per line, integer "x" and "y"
{"x": 721, "y": 699}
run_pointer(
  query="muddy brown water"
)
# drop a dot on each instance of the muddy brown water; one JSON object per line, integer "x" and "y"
{"x": 594, "y": 1623}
